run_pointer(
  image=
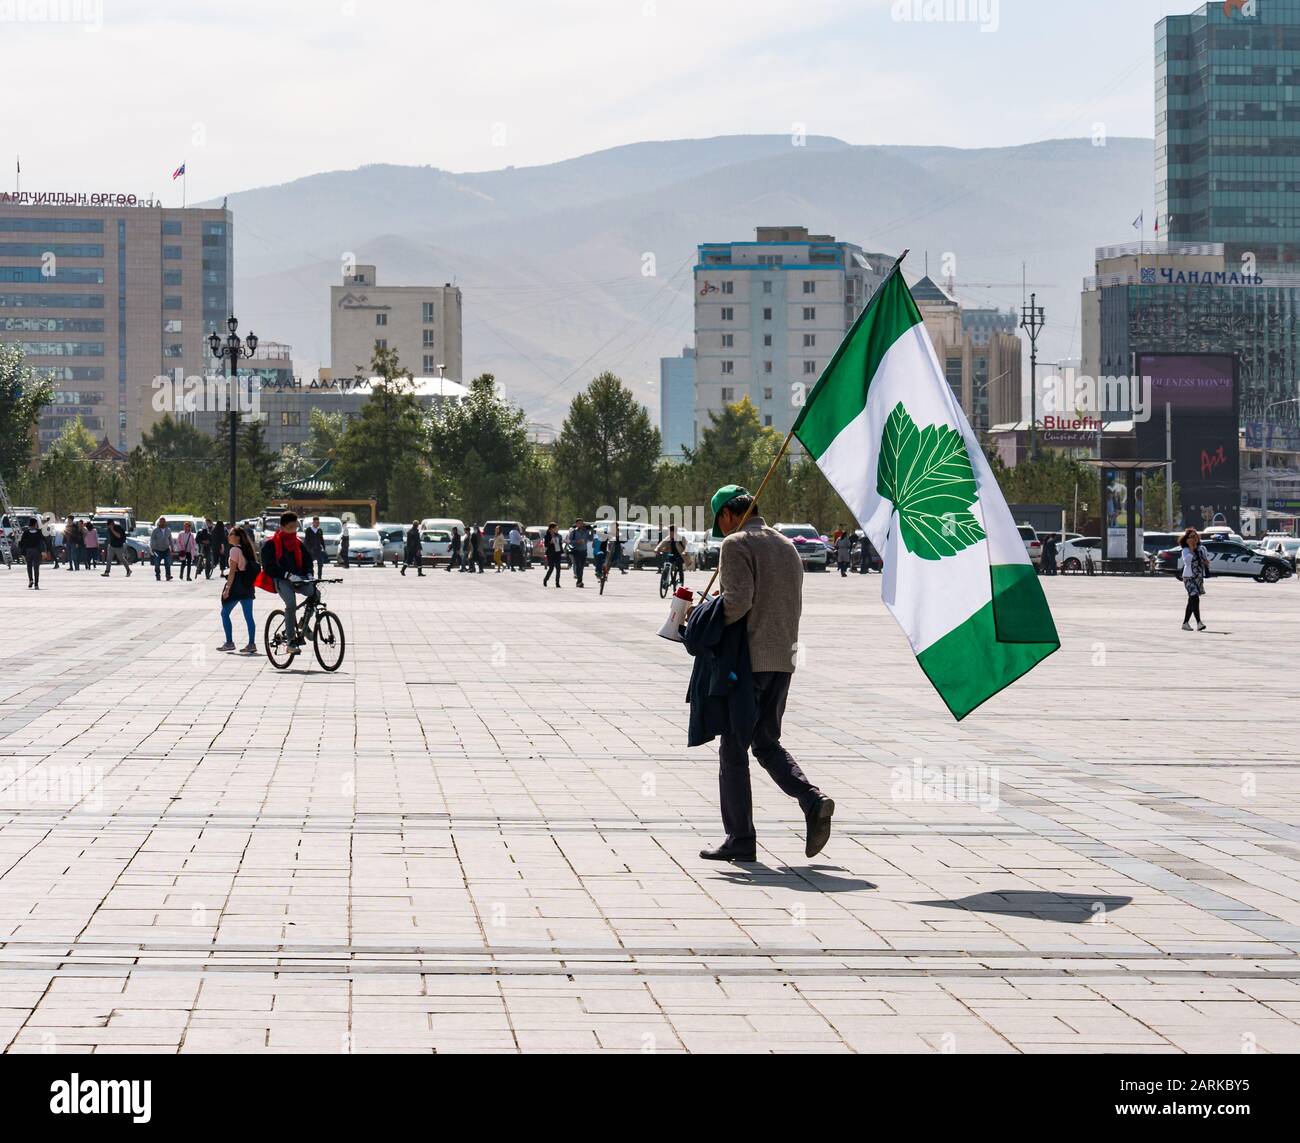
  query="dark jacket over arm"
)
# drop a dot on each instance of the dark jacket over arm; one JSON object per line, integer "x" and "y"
{"x": 721, "y": 691}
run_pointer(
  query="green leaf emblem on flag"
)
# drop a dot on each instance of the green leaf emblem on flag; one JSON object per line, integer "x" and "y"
{"x": 927, "y": 476}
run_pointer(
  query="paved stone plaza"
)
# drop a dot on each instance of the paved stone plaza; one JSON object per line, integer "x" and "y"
{"x": 482, "y": 833}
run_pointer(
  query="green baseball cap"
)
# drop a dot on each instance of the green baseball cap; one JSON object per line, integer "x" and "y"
{"x": 720, "y": 500}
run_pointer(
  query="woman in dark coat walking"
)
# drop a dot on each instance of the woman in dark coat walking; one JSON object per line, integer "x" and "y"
{"x": 553, "y": 543}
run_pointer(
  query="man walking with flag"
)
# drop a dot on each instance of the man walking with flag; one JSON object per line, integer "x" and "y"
{"x": 762, "y": 586}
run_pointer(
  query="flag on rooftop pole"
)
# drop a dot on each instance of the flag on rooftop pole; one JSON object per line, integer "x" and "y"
{"x": 176, "y": 174}
{"x": 884, "y": 427}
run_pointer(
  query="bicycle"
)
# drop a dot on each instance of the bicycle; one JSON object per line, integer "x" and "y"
{"x": 670, "y": 578}
{"x": 315, "y": 622}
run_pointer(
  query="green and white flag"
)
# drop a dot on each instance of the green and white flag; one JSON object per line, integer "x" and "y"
{"x": 884, "y": 426}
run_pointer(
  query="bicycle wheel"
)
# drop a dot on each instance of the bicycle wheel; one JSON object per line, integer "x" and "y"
{"x": 275, "y": 638}
{"x": 328, "y": 641}
{"x": 664, "y": 577}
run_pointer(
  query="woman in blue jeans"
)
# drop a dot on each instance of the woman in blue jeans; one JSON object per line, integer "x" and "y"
{"x": 242, "y": 570}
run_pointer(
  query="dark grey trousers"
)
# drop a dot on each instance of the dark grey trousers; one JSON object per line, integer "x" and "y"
{"x": 733, "y": 772}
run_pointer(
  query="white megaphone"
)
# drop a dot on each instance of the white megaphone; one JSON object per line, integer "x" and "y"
{"x": 680, "y": 604}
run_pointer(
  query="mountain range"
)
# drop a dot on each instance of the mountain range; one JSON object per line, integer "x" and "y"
{"x": 578, "y": 266}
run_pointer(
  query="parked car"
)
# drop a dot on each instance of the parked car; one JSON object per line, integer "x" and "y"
{"x": 539, "y": 546}
{"x": 1073, "y": 555}
{"x": 137, "y": 548}
{"x": 441, "y": 524}
{"x": 697, "y": 550}
{"x": 1153, "y": 543}
{"x": 490, "y": 529}
{"x": 254, "y": 528}
{"x": 365, "y": 548}
{"x": 123, "y": 515}
{"x": 1059, "y": 537}
{"x": 1284, "y": 547}
{"x": 435, "y": 547}
{"x": 9, "y": 529}
{"x": 1220, "y": 532}
{"x": 643, "y": 546}
{"x": 393, "y": 537}
{"x": 534, "y": 545}
{"x": 710, "y": 552}
{"x": 812, "y": 549}
{"x": 1033, "y": 545}
{"x": 1229, "y": 558}
{"x": 176, "y": 521}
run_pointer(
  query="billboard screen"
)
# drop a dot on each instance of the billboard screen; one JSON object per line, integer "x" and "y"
{"x": 1201, "y": 392}
{"x": 1197, "y": 383}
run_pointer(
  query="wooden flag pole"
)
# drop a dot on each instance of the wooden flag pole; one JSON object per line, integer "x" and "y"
{"x": 772, "y": 469}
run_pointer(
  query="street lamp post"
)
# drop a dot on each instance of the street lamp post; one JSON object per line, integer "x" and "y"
{"x": 1033, "y": 320}
{"x": 231, "y": 351}
{"x": 1263, "y": 448}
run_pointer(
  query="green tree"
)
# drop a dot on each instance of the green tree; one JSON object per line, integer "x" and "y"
{"x": 411, "y": 489}
{"x": 170, "y": 440}
{"x": 479, "y": 447}
{"x": 293, "y": 464}
{"x": 1154, "y": 516}
{"x": 539, "y": 497}
{"x": 22, "y": 397}
{"x": 325, "y": 431}
{"x": 387, "y": 435}
{"x": 1051, "y": 479}
{"x": 808, "y": 496}
{"x": 75, "y": 440}
{"x": 261, "y": 460}
{"x": 734, "y": 449}
{"x": 607, "y": 447}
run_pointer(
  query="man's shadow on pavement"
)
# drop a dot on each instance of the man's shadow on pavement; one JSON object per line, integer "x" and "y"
{"x": 1064, "y": 908}
{"x": 802, "y": 879}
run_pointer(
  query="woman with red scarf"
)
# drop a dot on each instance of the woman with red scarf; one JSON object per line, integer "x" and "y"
{"x": 284, "y": 562}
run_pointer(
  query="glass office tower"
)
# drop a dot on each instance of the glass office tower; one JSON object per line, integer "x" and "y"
{"x": 1228, "y": 129}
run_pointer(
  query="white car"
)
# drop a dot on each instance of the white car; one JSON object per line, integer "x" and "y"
{"x": 435, "y": 546}
{"x": 176, "y": 522}
{"x": 1228, "y": 558}
{"x": 365, "y": 548}
{"x": 1073, "y": 555}
{"x": 1220, "y": 532}
{"x": 438, "y": 524}
{"x": 1033, "y": 545}
{"x": 1285, "y": 547}
{"x": 643, "y": 547}
{"x": 813, "y": 550}
{"x": 696, "y": 549}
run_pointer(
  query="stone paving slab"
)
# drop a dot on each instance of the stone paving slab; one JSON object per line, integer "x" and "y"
{"x": 482, "y": 833}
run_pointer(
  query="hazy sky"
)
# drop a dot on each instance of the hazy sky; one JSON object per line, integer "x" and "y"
{"x": 254, "y": 92}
